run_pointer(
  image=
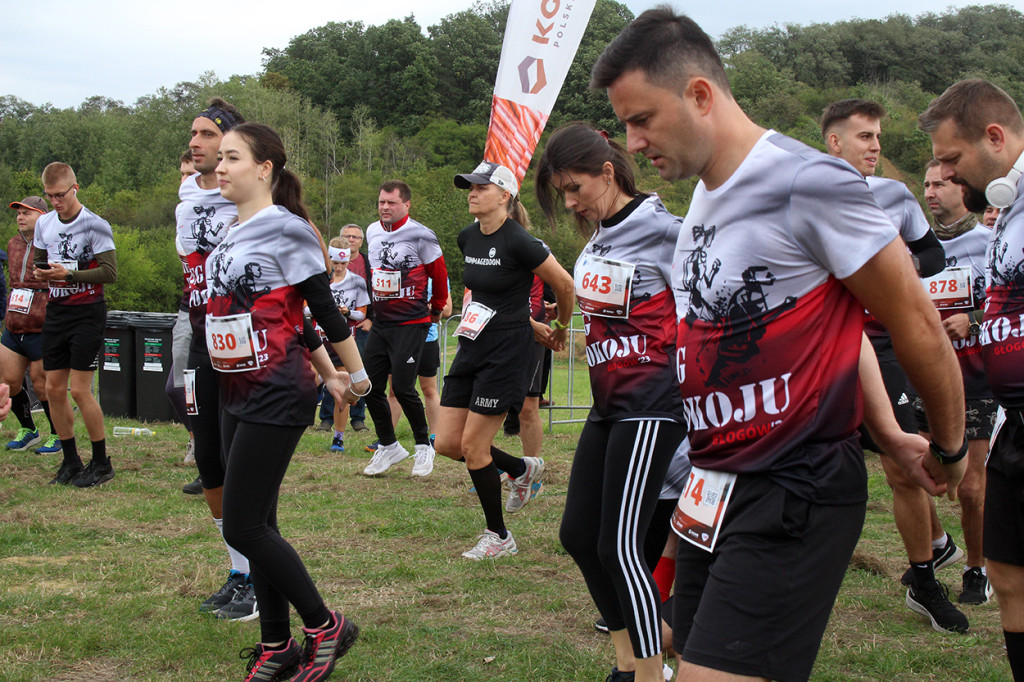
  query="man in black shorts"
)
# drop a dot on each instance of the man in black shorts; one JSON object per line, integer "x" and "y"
{"x": 978, "y": 139}
{"x": 780, "y": 251}
{"x": 959, "y": 294}
{"x": 851, "y": 130}
{"x": 75, "y": 254}
{"x": 21, "y": 346}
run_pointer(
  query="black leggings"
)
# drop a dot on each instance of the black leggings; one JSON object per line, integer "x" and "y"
{"x": 617, "y": 474}
{"x": 396, "y": 351}
{"x": 206, "y": 424}
{"x": 257, "y": 458}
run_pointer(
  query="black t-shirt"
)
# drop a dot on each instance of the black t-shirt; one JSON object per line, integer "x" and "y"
{"x": 498, "y": 269}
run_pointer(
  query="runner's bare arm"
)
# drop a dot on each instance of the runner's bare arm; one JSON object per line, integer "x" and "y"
{"x": 909, "y": 450}
{"x": 889, "y": 288}
{"x": 561, "y": 283}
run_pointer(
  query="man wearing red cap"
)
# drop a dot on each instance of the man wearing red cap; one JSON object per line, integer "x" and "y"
{"x": 21, "y": 345}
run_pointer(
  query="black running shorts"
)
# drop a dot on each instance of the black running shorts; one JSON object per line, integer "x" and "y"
{"x": 73, "y": 336}
{"x": 490, "y": 374}
{"x": 1003, "y": 534}
{"x": 759, "y": 604}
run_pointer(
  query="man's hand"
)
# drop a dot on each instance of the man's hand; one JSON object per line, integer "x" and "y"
{"x": 365, "y": 325}
{"x": 56, "y": 272}
{"x": 956, "y": 326}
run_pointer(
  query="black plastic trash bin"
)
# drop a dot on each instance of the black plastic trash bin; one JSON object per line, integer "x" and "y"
{"x": 153, "y": 359}
{"x": 117, "y": 368}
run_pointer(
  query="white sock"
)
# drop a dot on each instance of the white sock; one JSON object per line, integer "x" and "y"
{"x": 941, "y": 542}
{"x": 340, "y": 434}
{"x": 238, "y": 562}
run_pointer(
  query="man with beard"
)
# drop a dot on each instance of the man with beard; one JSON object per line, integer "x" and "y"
{"x": 978, "y": 139}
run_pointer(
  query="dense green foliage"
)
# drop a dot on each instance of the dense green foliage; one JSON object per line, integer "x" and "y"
{"x": 360, "y": 104}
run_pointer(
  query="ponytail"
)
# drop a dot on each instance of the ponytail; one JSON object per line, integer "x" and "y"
{"x": 288, "y": 193}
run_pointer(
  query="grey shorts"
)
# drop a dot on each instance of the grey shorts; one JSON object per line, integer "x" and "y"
{"x": 181, "y": 339}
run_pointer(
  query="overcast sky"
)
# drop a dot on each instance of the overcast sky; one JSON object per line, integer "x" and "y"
{"x": 64, "y": 51}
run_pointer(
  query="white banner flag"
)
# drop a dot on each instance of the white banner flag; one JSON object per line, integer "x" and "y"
{"x": 541, "y": 39}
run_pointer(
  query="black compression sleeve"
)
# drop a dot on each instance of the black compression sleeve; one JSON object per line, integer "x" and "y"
{"x": 317, "y": 292}
{"x": 309, "y": 335}
{"x": 931, "y": 258}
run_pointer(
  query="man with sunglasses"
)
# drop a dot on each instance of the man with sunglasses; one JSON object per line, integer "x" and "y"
{"x": 74, "y": 252}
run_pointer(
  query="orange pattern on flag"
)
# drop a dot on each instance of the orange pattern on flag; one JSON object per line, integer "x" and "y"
{"x": 513, "y": 135}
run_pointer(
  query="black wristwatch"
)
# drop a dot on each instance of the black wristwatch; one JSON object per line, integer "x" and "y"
{"x": 946, "y": 458}
{"x": 973, "y": 328}
{"x": 70, "y": 277}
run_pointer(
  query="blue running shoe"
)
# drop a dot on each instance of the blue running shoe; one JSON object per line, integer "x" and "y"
{"x": 25, "y": 439}
{"x": 372, "y": 447}
{"x": 337, "y": 445}
{"x": 50, "y": 446}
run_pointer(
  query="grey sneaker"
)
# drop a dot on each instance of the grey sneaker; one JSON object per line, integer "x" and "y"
{"x": 527, "y": 486}
{"x": 190, "y": 452}
{"x": 490, "y": 546}
{"x": 222, "y": 596}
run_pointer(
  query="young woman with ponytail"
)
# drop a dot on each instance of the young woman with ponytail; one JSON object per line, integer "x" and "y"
{"x": 257, "y": 279}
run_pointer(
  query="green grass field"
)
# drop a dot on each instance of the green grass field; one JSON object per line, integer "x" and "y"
{"x": 103, "y": 584}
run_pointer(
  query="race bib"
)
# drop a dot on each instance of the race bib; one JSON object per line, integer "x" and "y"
{"x": 387, "y": 283}
{"x": 603, "y": 286}
{"x": 474, "y": 318}
{"x": 698, "y": 516}
{"x": 191, "y": 407}
{"x": 71, "y": 265}
{"x": 229, "y": 341}
{"x": 20, "y": 301}
{"x": 951, "y": 288}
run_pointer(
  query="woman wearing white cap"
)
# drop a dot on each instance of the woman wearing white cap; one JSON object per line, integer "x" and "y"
{"x": 489, "y": 373}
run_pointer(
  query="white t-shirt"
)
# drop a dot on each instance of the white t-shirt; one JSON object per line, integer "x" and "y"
{"x": 74, "y": 245}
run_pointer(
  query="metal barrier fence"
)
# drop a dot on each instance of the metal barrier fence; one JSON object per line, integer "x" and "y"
{"x": 575, "y": 400}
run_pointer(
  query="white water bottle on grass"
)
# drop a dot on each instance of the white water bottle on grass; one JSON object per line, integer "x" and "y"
{"x": 131, "y": 431}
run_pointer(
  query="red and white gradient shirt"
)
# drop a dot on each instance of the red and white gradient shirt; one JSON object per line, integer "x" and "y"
{"x": 769, "y": 338}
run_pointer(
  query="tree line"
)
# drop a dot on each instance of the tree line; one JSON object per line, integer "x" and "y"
{"x": 359, "y": 104}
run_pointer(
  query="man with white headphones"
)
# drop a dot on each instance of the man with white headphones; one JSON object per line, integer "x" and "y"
{"x": 978, "y": 139}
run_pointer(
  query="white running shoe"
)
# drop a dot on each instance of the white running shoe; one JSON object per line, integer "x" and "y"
{"x": 384, "y": 458}
{"x": 424, "y": 458}
{"x": 491, "y": 546}
{"x": 190, "y": 452}
{"x": 527, "y": 486}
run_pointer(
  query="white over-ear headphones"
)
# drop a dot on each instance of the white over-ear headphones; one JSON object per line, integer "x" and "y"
{"x": 1002, "y": 192}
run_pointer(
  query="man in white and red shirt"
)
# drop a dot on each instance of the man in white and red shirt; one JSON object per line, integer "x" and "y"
{"x": 778, "y": 241}
{"x": 74, "y": 252}
{"x": 403, "y": 254}
{"x": 978, "y": 139}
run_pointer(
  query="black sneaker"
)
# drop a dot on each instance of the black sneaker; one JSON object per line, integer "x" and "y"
{"x": 93, "y": 475}
{"x": 193, "y": 488}
{"x": 976, "y": 587}
{"x": 221, "y": 597}
{"x": 948, "y": 554}
{"x": 65, "y": 473}
{"x": 932, "y": 600}
{"x": 242, "y": 607}
{"x": 620, "y": 676}
{"x": 272, "y": 664}
{"x": 601, "y": 626}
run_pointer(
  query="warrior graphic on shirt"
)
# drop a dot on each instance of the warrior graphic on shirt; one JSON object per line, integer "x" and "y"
{"x": 203, "y": 218}
{"x": 254, "y": 319}
{"x": 631, "y": 351}
{"x": 768, "y": 338}
{"x": 74, "y": 245}
{"x": 1002, "y": 330}
{"x": 402, "y": 258}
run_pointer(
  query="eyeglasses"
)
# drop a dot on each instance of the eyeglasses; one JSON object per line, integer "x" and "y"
{"x": 58, "y": 195}
{"x": 352, "y": 237}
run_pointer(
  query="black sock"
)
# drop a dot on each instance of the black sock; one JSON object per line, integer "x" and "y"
{"x": 46, "y": 409}
{"x": 99, "y": 451}
{"x": 922, "y": 573}
{"x": 1015, "y": 652}
{"x": 22, "y": 410}
{"x": 488, "y": 489}
{"x": 513, "y": 466}
{"x": 70, "y": 451}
